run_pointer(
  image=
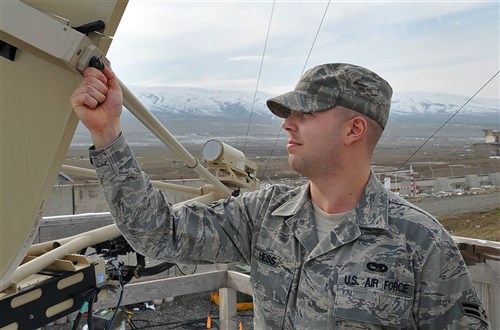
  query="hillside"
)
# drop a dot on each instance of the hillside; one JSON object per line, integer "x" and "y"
{"x": 189, "y": 103}
{"x": 194, "y": 115}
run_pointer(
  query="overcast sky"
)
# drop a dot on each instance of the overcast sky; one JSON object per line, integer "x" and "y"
{"x": 438, "y": 46}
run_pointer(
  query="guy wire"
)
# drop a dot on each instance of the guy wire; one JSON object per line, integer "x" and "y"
{"x": 303, "y": 69}
{"x": 315, "y": 37}
{"x": 446, "y": 122}
{"x": 258, "y": 77}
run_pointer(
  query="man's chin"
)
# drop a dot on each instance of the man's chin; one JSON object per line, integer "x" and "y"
{"x": 296, "y": 166}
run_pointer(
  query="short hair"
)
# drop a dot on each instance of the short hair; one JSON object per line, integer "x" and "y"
{"x": 374, "y": 131}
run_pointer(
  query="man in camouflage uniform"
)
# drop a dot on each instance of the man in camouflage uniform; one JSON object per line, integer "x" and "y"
{"x": 341, "y": 252}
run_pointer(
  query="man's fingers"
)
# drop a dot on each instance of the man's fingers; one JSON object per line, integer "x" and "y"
{"x": 93, "y": 72}
{"x": 88, "y": 95}
{"x": 79, "y": 100}
{"x": 94, "y": 89}
{"x": 108, "y": 73}
{"x": 112, "y": 80}
{"x": 95, "y": 83}
{"x": 90, "y": 92}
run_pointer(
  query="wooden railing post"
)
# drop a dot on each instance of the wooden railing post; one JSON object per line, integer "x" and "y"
{"x": 483, "y": 261}
{"x": 227, "y": 307}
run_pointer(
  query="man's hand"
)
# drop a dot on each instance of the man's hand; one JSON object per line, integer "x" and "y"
{"x": 98, "y": 102}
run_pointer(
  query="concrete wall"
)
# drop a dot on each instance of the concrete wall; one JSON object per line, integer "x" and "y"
{"x": 494, "y": 179}
{"x": 472, "y": 181}
{"x": 443, "y": 184}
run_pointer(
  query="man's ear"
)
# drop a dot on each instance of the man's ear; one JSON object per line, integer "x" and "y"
{"x": 357, "y": 129}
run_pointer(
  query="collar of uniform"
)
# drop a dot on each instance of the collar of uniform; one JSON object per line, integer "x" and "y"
{"x": 295, "y": 204}
{"x": 371, "y": 210}
{"x": 373, "y": 206}
{"x": 298, "y": 211}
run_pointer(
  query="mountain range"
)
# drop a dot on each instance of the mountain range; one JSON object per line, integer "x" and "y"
{"x": 195, "y": 115}
{"x": 196, "y": 103}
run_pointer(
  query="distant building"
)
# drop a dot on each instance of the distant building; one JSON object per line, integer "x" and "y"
{"x": 491, "y": 136}
{"x": 490, "y": 146}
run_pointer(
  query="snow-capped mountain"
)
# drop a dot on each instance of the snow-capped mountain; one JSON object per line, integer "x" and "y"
{"x": 195, "y": 103}
{"x": 430, "y": 106}
{"x": 200, "y": 103}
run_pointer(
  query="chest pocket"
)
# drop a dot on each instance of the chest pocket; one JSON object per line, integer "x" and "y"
{"x": 354, "y": 305}
{"x": 272, "y": 286}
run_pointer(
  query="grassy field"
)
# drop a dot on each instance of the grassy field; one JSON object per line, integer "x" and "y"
{"x": 483, "y": 225}
{"x": 264, "y": 145}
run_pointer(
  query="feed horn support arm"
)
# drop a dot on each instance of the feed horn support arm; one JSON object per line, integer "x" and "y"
{"x": 27, "y": 28}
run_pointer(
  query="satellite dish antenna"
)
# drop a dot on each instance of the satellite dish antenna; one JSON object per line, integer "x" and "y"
{"x": 43, "y": 47}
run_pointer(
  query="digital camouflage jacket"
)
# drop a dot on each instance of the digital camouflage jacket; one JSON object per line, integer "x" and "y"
{"x": 386, "y": 265}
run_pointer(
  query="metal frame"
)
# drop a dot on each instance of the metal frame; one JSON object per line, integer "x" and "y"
{"x": 57, "y": 296}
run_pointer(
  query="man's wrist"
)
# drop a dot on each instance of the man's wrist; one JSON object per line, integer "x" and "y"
{"x": 106, "y": 138}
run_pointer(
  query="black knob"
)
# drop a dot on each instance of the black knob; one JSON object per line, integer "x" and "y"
{"x": 95, "y": 62}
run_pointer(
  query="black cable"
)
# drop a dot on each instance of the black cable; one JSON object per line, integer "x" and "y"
{"x": 77, "y": 320}
{"x": 118, "y": 267}
{"x": 156, "y": 269}
{"x": 87, "y": 305}
{"x": 184, "y": 274}
{"x": 90, "y": 316}
{"x": 132, "y": 324}
{"x": 199, "y": 323}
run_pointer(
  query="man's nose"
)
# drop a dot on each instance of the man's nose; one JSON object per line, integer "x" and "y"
{"x": 289, "y": 123}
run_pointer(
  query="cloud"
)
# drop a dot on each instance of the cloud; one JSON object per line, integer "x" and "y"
{"x": 417, "y": 45}
{"x": 250, "y": 58}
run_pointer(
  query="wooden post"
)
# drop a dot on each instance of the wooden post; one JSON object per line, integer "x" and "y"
{"x": 227, "y": 308}
{"x": 483, "y": 261}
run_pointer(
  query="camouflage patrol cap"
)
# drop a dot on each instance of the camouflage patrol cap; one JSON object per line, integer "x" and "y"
{"x": 328, "y": 85}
